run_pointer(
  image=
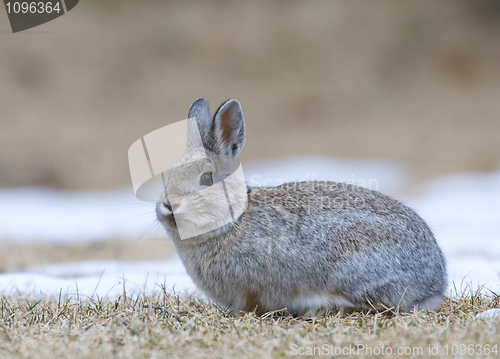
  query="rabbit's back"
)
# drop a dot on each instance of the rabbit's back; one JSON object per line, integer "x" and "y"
{"x": 308, "y": 245}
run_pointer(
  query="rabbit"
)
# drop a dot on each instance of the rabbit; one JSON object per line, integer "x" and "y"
{"x": 304, "y": 247}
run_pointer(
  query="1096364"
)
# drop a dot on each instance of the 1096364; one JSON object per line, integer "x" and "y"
{"x": 32, "y": 7}
{"x": 471, "y": 349}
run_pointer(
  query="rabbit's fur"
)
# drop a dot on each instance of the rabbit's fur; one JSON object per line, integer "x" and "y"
{"x": 305, "y": 246}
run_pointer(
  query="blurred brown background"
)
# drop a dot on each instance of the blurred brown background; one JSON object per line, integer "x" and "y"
{"x": 414, "y": 81}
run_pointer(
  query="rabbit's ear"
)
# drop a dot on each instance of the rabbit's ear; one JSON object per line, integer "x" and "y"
{"x": 200, "y": 109}
{"x": 228, "y": 129}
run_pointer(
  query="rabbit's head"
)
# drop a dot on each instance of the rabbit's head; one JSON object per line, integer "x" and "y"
{"x": 205, "y": 191}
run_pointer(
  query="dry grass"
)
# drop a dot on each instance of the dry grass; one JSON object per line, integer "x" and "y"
{"x": 163, "y": 325}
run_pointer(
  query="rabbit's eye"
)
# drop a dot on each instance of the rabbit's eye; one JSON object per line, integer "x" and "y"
{"x": 206, "y": 179}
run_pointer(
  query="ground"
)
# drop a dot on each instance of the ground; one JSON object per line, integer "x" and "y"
{"x": 161, "y": 324}
{"x": 417, "y": 82}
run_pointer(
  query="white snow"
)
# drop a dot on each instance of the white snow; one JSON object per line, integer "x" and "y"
{"x": 381, "y": 175}
{"x": 489, "y": 313}
{"x": 99, "y": 278}
{"x": 463, "y": 210}
{"x": 41, "y": 214}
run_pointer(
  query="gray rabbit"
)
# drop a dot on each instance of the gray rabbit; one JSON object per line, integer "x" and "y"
{"x": 309, "y": 247}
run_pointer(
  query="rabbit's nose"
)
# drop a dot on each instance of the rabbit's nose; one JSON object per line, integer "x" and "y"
{"x": 171, "y": 206}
